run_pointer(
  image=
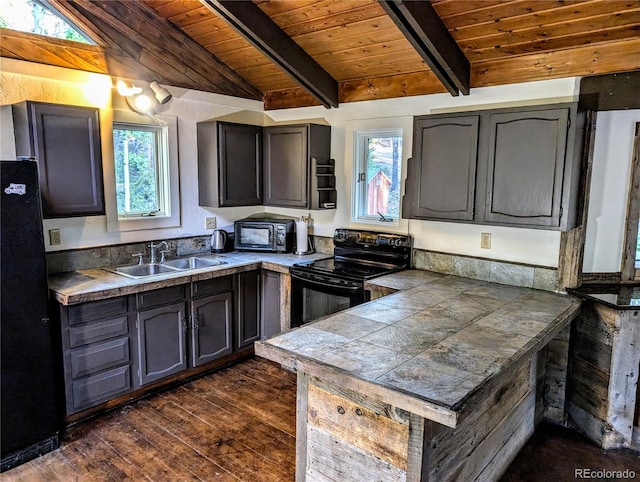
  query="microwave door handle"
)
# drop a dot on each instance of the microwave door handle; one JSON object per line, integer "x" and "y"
{"x": 326, "y": 285}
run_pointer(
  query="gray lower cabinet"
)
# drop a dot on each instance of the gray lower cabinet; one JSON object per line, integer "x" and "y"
{"x": 162, "y": 342}
{"x": 211, "y": 328}
{"x": 96, "y": 352}
{"x": 248, "y": 308}
{"x": 270, "y": 307}
{"x": 513, "y": 167}
{"x": 115, "y": 346}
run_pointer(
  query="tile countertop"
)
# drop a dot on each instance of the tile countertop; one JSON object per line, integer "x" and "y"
{"x": 95, "y": 284}
{"x": 431, "y": 345}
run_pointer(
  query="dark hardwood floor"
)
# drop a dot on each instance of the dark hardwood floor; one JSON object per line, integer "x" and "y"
{"x": 239, "y": 424}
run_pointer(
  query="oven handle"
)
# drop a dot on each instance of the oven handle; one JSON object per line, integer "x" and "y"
{"x": 326, "y": 285}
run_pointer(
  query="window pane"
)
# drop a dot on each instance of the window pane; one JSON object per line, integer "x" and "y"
{"x": 136, "y": 165}
{"x": 34, "y": 17}
{"x": 383, "y": 156}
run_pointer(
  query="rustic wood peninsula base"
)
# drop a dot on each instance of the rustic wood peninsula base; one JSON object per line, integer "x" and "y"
{"x": 443, "y": 381}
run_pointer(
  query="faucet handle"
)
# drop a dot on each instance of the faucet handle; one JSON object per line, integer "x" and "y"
{"x": 139, "y": 255}
{"x": 162, "y": 252}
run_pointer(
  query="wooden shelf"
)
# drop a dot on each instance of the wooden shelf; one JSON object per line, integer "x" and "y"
{"x": 323, "y": 184}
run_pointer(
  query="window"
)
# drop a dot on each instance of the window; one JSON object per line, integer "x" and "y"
{"x": 142, "y": 179}
{"x": 378, "y": 157}
{"x": 140, "y": 160}
{"x": 37, "y": 16}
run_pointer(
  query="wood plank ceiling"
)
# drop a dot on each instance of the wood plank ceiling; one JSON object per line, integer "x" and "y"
{"x": 355, "y": 42}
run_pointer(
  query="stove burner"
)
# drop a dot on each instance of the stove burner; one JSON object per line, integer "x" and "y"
{"x": 361, "y": 255}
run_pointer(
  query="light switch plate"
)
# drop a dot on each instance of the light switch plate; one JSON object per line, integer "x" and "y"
{"x": 485, "y": 240}
{"x": 210, "y": 223}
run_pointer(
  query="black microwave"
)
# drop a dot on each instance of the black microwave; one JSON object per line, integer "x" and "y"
{"x": 273, "y": 235}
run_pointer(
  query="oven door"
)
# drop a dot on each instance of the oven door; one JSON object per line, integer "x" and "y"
{"x": 314, "y": 296}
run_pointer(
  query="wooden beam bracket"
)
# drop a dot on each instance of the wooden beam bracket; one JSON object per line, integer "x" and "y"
{"x": 424, "y": 29}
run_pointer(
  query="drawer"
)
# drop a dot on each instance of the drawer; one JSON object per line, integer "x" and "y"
{"x": 163, "y": 296}
{"x": 98, "y": 388}
{"x": 97, "y": 331}
{"x": 94, "y": 358}
{"x": 96, "y": 310}
{"x": 211, "y": 286}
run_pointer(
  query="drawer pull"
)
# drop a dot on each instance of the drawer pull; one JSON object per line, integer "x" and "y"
{"x": 341, "y": 409}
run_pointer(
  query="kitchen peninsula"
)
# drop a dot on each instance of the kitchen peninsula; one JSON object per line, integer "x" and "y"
{"x": 444, "y": 379}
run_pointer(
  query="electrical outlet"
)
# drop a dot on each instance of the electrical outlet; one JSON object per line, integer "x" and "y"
{"x": 54, "y": 237}
{"x": 485, "y": 240}
{"x": 210, "y": 223}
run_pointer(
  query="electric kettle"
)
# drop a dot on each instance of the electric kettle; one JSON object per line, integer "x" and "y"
{"x": 218, "y": 240}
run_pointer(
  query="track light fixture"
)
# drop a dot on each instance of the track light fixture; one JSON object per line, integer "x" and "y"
{"x": 162, "y": 95}
{"x": 143, "y": 100}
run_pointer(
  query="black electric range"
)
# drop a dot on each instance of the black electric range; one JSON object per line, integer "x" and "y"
{"x": 322, "y": 287}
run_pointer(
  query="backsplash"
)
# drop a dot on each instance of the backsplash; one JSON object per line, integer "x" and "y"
{"x": 61, "y": 261}
{"x": 503, "y": 272}
{"x": 476, "y": 268}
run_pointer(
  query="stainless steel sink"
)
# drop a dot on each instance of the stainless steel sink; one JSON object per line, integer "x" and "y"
{"x": 193, "y": 262}
{"x": 171, "y": 266}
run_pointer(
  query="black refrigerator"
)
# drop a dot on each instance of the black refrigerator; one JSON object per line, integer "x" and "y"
{"x": 30, "y": 416}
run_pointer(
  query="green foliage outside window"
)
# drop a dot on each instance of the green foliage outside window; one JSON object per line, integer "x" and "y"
{"x": 38, "y": 18}
{"x": 136, "y": 166}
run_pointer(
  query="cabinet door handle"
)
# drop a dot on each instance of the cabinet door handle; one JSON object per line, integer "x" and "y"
{"x": 185, "y": 326}
{"x": 196, "y": 322}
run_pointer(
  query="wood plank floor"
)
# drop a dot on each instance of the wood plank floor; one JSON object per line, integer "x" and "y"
{"x": 239, "y": 424}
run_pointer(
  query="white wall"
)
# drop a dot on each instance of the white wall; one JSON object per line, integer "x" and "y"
{"x": 24, "y": 81}
{"x": 609, "y": 194}
{"x": 531, "y": 246}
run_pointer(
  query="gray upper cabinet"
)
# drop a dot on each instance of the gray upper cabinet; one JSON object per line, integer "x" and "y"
{"x": 525, "y": 167}
{"x": 66, "y": 141}
{"x": 287, "y": 153}
{"x": 513, "y": 167}
{"x": 229, "y": 164}
{"x": 444, "y": 174}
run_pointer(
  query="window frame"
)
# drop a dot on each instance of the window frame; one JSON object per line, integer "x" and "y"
{"x": 629, "y": 270}
{"x": 87, "y": 38}
{"x": 168, "y": 125}
{"x": 163, "y": 189}
{"x": 359, "y": 193}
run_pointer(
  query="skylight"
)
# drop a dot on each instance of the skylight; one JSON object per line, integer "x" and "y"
{"x": 37, "y": 16}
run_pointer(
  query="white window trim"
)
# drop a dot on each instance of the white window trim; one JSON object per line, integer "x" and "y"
{"x": 137, "y": 223}
{"x": 357, "y": 197}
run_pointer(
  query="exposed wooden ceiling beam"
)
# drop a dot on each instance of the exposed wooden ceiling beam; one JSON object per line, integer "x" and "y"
{"x": 142, "y": 45}
{"x": 273, "y": 42}
{"x": 424, "y": 29}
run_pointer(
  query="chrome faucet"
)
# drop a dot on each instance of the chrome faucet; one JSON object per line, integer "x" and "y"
{"x": 152, "y": 248}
